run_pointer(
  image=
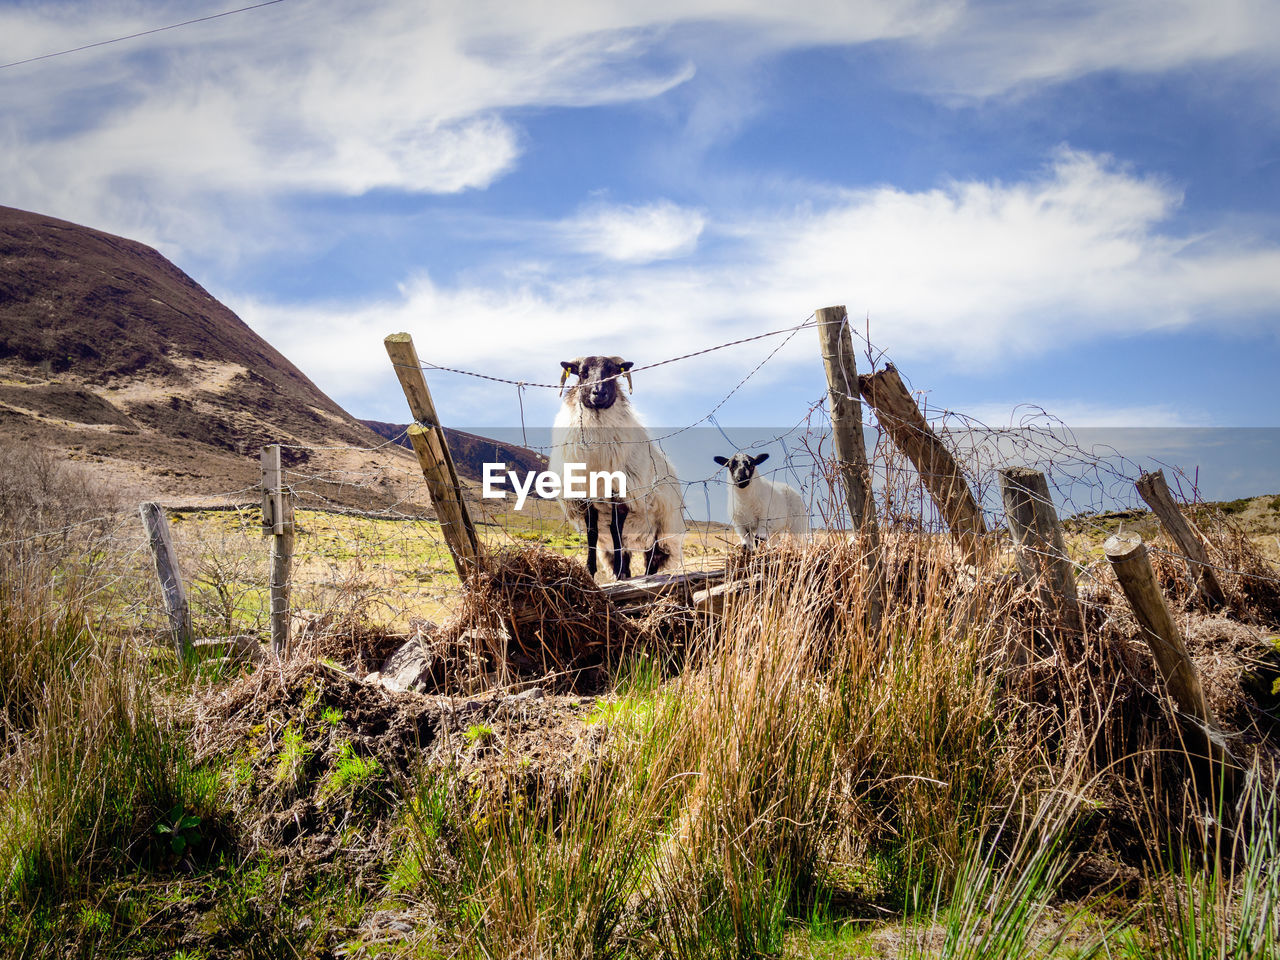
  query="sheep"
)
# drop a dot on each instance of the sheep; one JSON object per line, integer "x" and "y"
{"x": 760, "y": 508}
{"x": 597, "y": 427}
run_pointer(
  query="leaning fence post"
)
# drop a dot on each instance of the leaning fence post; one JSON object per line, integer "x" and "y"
{"x": 171, "y": 586}
{"x": 1155, "y": 491}
{"x": 850, "y": 445}
{"x": 941, "y": 475}
{"x": 1129, "y": 559}
{"x": 429, "y": 443}
{"x": 1039, "y": 546}
{"x": 277, "y": 522}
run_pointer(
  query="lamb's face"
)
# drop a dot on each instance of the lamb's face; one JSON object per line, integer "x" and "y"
{"x": 597, "y": 385}
{"x": 741, "y": 467}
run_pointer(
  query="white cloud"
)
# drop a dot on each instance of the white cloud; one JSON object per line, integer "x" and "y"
{"x": 342, "y": 98}
{"x": 1073, "y": 414}
{"x": 1009, "y": 45}
{"x": 976, "y": 271}
{"x": 635, "y": 234}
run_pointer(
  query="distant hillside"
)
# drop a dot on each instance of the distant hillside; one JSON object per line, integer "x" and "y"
{"x": 110, "y": 352}
{"x": 470, "y": 452}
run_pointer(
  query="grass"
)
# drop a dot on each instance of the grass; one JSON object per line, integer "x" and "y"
{"x": 1225, "y": 901}
{"x": 810, "y": 783}
{"x": 352, "y": 772}
{"x": 715, "y": 808}
{"x": 403, "y": 566}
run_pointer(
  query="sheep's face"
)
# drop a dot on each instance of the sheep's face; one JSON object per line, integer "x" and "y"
{"x": 741, "y": 467}
{"x": 597, "y": 385}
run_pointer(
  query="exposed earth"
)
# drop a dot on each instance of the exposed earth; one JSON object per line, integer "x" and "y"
{"x": 113, "y": 355}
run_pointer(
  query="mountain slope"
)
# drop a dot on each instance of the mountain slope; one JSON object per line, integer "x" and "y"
{"x": 470, "y": 452}
{"x": 112, "y": 354}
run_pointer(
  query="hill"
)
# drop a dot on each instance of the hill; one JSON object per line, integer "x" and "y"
{"x": 470, "y": 452}
{"x": 113, "y": 355}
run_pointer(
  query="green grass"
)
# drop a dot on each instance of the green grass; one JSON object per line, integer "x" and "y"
{"x": 292, "y": 756}
{"x": 807, "y": 786}
{"x": 478, "y": 734}
{"x": 351, "y": 772}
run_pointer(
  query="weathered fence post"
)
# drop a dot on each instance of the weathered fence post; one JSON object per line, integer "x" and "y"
{"x": 1129, "y": 559}
{"x": 1155, "y": 491}
{"x": 1039, "y": 546}
{"x": 850, "y": 445}
{"x": 942, "y": 477}
{"x": 171, "y": 586}
{"x": 429, "y": 443}
{"x": 277, "y": 522}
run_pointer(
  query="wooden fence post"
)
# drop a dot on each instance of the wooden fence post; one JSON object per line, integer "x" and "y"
{"x": 850, "y": 445}
{"x": 1039, "y": 546}
{"x": 1155, "y": 491}
{"x": 942, "y": 477}
{"x": 277, "y": 522}
{"x": 1212, "y": 758}
{"x": 429, "y": 443}
{"x": 171, "y": 586}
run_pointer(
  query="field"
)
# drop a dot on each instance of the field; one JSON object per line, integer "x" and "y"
{"x": 798, "y": 776}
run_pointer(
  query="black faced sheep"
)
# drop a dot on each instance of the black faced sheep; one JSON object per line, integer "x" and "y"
{"x": 597, "y": 427}
{"x": 760, "y": 508}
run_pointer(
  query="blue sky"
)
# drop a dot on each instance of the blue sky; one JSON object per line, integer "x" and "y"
{"x": 1070, "y": 204}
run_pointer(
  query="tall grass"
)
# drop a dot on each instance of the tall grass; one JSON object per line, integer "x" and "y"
{"x": 89, "y": 760}
{"x": 998, "y": 905}
{"x": 1222, "y": 903}
{"x": 801, "y": 736}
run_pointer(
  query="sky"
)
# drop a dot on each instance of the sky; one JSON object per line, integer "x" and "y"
{"x": 1074, "y": 205}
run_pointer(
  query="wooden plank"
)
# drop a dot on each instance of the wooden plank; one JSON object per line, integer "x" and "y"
{"x": 839, "y": 361}
{"x": 280, "y": 524}
{"x": 171, "y": 586}
{"x": 661, "y": 584}
{"x": 636, "y": 597}
{"x": 1039, "y": 546}
{"x": 237, "y": 647}
{"x": 1213, "y": 760}
{"x": 941, "y": 474}
{"x": 1153, "y": 488}
{"x": 712, "y": 600}
{"x": 429, "y": 443}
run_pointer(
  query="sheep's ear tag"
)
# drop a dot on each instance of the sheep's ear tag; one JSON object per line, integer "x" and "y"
{"x": 625, "y": 366}
{"x": 567, "y": 367}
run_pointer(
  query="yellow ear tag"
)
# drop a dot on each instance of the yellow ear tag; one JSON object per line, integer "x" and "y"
{"x": 630, "y": 387}
{"x": 564, "y": 375}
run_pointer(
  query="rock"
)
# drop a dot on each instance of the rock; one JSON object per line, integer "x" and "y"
{"x": 413, "y": 667}
{"x": 426, "y": 662}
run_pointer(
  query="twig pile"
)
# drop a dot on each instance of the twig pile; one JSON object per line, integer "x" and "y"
{"x": 536, "y": 611}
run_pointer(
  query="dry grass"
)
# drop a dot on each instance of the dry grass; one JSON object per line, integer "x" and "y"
{"x": 962, "y": 760}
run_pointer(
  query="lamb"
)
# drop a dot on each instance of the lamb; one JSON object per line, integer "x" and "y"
{"x": 598, "y": 427}
{"x": 760, "y": 508}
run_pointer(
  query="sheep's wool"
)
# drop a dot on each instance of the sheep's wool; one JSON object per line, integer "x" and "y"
{"x": 613, "y": 440}
{"x": 765, "y": 508}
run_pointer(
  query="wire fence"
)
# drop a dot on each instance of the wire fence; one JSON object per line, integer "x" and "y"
{"x": 368, "y": 547}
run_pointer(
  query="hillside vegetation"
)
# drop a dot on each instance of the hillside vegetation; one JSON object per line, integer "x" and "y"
{"x": 960, "y": 780}
{"x": 112, "y": 355}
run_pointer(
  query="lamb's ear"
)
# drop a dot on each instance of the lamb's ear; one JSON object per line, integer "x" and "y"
{"x": 760, "y": 459}
{"x": 625, "y": 366}
{"x": 721, "y": 460}
{"x": 569, "y": 366}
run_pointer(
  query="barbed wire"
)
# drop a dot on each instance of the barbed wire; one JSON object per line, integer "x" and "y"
{"x": 427, "y": 365}
{"x": 341, "y": 545}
